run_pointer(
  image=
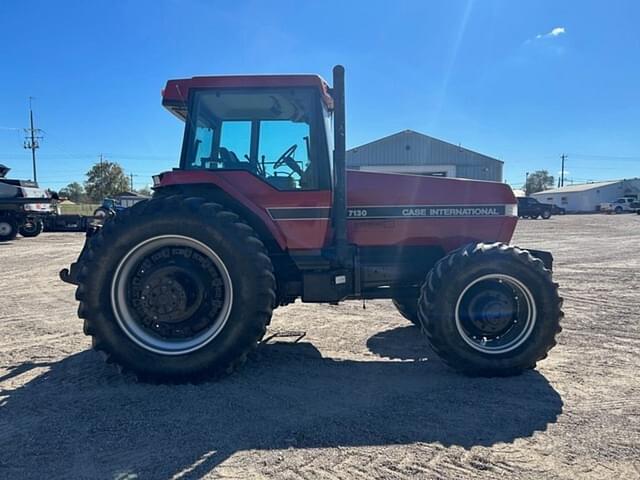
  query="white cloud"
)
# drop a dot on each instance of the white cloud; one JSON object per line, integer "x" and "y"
{"x": 556, "y": 32}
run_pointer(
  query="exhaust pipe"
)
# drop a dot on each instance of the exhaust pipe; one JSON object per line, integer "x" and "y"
{"x": 339, "y": 167}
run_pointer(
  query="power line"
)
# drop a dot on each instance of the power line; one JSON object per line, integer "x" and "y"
{"x": 604, "y": 157}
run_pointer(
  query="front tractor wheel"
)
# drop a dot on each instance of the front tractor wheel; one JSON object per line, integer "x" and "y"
{"x": 490, "y": 310}
{"x": 176, "y": 289}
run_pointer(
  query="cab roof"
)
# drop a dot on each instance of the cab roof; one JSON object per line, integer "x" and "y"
{"x": 176, "y": 93}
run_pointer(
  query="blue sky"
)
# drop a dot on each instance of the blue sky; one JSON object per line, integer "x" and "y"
{"x": 523, "y": 81}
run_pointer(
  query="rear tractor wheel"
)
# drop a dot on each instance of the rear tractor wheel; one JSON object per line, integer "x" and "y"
{"x": 490, "y": 310}
{"x": 175, "y": 290}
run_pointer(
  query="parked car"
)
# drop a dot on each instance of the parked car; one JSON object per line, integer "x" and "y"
{"x": 529, "y": 207}
{"x": 622, "y": 204}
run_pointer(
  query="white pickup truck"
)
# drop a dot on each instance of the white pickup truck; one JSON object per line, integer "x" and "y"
{"x": 622, "y": 204}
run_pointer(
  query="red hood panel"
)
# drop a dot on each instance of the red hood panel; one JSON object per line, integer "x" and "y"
{"x": 372, "y": 188}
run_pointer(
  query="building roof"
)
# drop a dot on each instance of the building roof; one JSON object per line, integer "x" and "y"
{"x": 438, "y": 150}
{"x": 581, "y": 187}
{"x": 130, "y": 194}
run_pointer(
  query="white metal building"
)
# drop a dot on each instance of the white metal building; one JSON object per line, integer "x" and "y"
{"x": 129, "y": 199}
{"x": 586, "y": 197}
{"x": 419, "y": 154}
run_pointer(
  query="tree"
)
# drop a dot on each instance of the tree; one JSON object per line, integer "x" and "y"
{"x": 538, "y": 181}
{"x": 105, "y": 179}
{"x": 74, "y": 192}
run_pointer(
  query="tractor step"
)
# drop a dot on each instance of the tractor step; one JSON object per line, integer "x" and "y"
{"x": 296, "y": 335}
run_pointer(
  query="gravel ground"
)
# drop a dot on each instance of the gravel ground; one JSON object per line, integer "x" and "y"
{"x": 361, "y": 396}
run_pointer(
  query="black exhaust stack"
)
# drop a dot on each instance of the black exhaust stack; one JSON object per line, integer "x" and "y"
{"x": 339, "y": 167}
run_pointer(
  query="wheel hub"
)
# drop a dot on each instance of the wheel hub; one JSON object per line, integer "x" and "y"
{"x": 491, "y": 314}
{"x": 163, "y": 298}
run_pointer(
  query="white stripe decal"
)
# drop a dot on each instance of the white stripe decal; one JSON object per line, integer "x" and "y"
{"x": 393, "y": 212}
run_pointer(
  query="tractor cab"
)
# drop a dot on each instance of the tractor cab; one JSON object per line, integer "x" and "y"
{"x": 275, "y": 127}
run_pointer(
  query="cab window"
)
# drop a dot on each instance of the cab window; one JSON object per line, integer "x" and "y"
{"x": 277, "y": 134}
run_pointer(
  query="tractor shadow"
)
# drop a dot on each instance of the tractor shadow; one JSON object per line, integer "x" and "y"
{"x": 79, "y": 418}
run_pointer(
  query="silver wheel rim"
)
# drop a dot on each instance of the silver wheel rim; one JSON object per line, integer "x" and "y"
{"x": 127, "y": 320}
{"x": 524, "y": 328}
{"x": 5, "y": 229}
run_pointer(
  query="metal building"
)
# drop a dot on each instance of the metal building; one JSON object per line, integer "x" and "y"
{"x": 419, "y": 154}
{"x": 586, "y": 197}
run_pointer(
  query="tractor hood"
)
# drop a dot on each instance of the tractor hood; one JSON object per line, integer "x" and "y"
{"x": 395, "y": 195}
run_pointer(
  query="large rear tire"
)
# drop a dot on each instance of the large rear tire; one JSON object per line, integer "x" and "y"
{"x": 32, "y": 228}
{"x": 408, "y": 308}
{"x": 490, "y": 310}
{"x": 8, "y": 229}
{"x": 176, "y": 290}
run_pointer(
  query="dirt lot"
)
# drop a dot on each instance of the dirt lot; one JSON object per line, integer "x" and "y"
{"x": 362, "y": 396}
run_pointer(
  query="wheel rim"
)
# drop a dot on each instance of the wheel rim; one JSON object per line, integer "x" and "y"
{"x": 5, "y": 229}
{"x": 171, "y": 294}
{"x": 495, "y": 314}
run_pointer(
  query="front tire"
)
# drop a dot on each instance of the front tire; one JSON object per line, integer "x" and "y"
{"x": 175, "y": 290}
{"x": 490, "y": 310}
{"x": 32, "y": 228}
{"x": 546, "y": 214}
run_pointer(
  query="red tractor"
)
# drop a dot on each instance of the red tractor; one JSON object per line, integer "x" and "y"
{"x": 262, "y": 211}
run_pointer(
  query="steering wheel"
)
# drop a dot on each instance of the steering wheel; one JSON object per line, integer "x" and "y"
{"x": 287, "y": 159}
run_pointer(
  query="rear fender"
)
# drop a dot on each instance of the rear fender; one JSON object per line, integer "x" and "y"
{"x": 235, "y": 201}
{"x": 543, "y": 255}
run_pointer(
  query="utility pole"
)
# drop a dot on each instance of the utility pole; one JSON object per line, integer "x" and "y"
{"x": 131, "y": 177}
{"x": 562, "y": 171}
{"x": 526, "y": 179}
{"x": 32, "y": 140}
{"x": 101, "y": 177}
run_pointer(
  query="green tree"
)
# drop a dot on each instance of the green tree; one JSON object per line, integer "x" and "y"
{"x": 538, "y": 181}
{"x": 105, "y": 179}
{"x": 74, "y": 192}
